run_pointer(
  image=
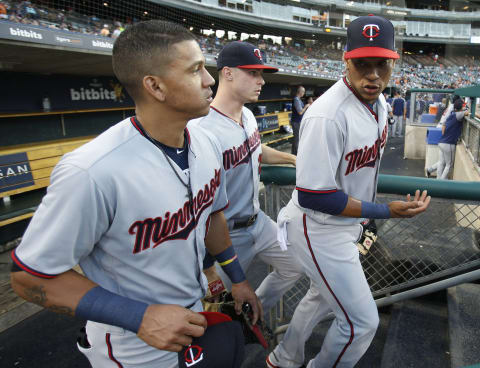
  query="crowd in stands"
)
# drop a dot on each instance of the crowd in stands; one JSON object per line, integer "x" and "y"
{"x": 26, "y": 12}
{"x": 323, "y": 57}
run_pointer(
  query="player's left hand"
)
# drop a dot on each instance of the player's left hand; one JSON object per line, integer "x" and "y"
{"x": 410, "y": 208}
{"x": 243, "y": 293}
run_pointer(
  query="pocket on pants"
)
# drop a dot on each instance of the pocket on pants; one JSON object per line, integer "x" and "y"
{"x": 88, "y": 352}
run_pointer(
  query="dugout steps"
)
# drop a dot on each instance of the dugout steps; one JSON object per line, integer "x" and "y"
{"x": 464, "y": 324}
{"x": 418, "y": 334}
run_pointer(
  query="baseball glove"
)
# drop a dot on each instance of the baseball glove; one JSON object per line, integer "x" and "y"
{"x": 215, "y": 294}
{"x": 254, "y": 334}
{"x": 369, "y": 236}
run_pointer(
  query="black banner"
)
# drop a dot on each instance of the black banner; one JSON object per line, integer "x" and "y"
{"x": 27, "y": 93}
{"x": 15, "y": 172}
{"x": 37, "y": 34}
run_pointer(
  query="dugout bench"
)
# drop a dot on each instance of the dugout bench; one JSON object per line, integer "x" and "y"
{"x": 25, "y": 169}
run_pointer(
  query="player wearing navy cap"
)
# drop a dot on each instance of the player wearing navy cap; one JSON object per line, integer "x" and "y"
{"x": 253, "y": 233}
{"x": 136, "y": 207}
{"x": 342, "y": 137}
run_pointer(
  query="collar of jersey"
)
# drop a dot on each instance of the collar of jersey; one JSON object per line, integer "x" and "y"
{"x": 221, "y": 113}
{"x": 359, "y": 98}
{"x": 136, "y": 124}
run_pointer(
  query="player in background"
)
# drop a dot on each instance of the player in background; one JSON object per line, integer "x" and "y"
{"x": 298, "y": 109}
{"x": 135, "y": 207}
{"x": 342, "y": 138}
{"x": 451, "y": 132}
{"x": 253, "y": 233}
{"x": 399, "y": 114}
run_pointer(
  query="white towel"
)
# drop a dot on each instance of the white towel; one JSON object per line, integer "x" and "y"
{"x": 282, "y": 221}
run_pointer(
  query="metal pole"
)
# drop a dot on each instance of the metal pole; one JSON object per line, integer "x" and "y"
{"x": 409, "y": 294}
{"x": 428, "y": 289}
{"x": 413, "y": 97}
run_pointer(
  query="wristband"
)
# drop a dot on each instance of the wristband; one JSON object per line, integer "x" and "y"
{"x": 230, "y": 264}
{"x": 101, "y": 305}
{"x": 372, "y": 210}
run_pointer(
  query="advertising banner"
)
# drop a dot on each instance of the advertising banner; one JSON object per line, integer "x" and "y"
{"x": 27, "y": 92}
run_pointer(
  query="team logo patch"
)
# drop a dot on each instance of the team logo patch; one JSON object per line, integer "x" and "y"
{"x": 366, "y": 156}
{"x": 178, "y": 224}
{"x": 257, "y": 53}
{"x": 371, "y": 31}
{"x": 193, "y": 355}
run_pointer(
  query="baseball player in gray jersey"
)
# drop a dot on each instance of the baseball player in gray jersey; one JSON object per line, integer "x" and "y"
{"x": 342, "y": 138}
{"x": 136, "y": 207}
{"x": 252, "y": 232}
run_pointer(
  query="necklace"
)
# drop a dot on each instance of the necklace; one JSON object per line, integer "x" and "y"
{"x": 187, "y": 184}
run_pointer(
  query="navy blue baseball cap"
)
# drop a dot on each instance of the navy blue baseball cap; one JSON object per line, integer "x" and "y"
{"x": 370, "y": 36}
{"x": 221, "y": 346}
{"x": 243, "y": 55}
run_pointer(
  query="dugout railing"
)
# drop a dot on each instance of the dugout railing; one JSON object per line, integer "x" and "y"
{"x": 412, "y": 257}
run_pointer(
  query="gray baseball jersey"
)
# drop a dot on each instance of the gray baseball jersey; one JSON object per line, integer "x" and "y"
{"x": 341, "y": 143}
{"x": 242, "y": 150}
{"x": 117, "y": 208}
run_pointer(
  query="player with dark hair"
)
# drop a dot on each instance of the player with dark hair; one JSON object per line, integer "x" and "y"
{"x": 298, "y": 109}
{"x": 135, "y": 208}
{"x": 342, "y": 138}
{"x": 451, "y": 131}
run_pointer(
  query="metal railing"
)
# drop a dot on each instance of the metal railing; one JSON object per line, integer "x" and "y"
{"x": 412, "y": 257}
{"x": 471, "y": 139}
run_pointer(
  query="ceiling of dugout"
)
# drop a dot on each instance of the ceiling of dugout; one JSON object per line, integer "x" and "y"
{"x": 47, "y": 60}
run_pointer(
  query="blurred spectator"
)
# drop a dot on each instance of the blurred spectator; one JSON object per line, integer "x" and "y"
{"x": 117, "y": 31}
{"x": 320, "y": 56}
{"x": 3, "y": 11}
{"x": 105, "y": 31}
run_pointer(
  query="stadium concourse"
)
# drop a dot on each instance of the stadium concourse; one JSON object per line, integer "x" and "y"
{"x": 417, "y": 70}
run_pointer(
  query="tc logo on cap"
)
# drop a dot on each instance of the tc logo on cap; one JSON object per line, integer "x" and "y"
{"x": 193, "y": 355}
{"x": 371, "y": 31}
{"x": 257, "y": 53}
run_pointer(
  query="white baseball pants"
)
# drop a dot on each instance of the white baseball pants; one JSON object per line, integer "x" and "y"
{"x": 329, "y": 256}
{"x": 114, "y": 347}
{"x": 260, "y": 240}
{"x": 397, "y": 127}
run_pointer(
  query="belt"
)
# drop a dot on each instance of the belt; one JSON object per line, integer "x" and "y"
{"x": 241, "y": 224}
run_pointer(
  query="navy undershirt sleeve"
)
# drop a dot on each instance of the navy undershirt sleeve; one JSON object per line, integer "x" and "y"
{"x": 208, "y": 261}
{"x": 332, "y": 203}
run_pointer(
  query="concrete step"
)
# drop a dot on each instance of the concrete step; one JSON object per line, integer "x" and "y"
{"x": 464, "y": 324}
{"x": 418, "y": 334}
{"x": 373, "y": 355}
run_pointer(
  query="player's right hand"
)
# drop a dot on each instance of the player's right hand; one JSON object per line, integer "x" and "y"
{"x": 170, "y": 327}
{"x": 410, "y": 208}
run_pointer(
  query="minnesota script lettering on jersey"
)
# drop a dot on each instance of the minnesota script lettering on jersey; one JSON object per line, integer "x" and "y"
{"x": 235, "y": 156}
{"x": 176, "y": 224}
{"x": 366, "y": 156}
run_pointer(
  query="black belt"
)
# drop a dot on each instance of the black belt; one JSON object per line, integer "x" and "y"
{"x": 240, "y": 224}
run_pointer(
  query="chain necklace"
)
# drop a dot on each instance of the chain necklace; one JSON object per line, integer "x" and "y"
{"x": 187, "y": 184}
